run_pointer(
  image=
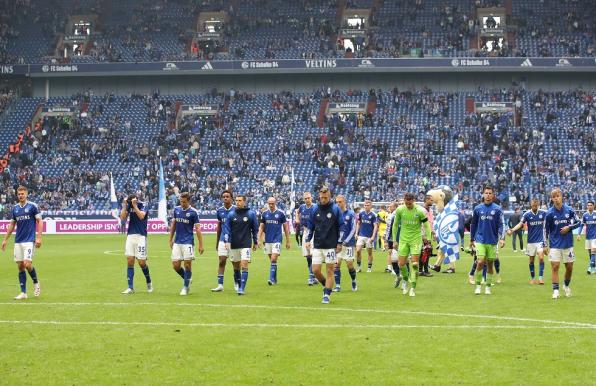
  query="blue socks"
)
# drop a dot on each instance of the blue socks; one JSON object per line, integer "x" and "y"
{"x": 326, "y": 291}
{"x": 352, "y": 273}
{"x": 592, "y": 260}
{"x": 337, "y": 275}
{"x": 33, "y": 275}
{"x": 555, "y": 286}
{"x": 309, "y": 262}
{"x": 243, "y": 280}
{"x": 130, "y": 274}
{"x": 497, "y": 266}
{"x": 532, "y": 270}
{"x": 273, "y": 273}
{"x": 145, "y": 270}
{"x": 237, "y": 277}
{"x": 220, "y": 278}
{"x": 23, "y": 281}
{"x": 567, "y": 282}
{"x": 541, "y": 268}
{"x": 187, "y": 277}
{"x": 473, "y": 269}
{"x": 180, "y": 271}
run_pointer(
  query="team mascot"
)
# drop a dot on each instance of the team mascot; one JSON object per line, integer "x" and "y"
{"x": 446, "y": 225}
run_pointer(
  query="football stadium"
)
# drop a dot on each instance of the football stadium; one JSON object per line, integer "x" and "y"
{"x": 249, "y": 192}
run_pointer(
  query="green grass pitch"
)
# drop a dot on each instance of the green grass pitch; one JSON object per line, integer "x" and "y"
{"x": 83, "y": 331}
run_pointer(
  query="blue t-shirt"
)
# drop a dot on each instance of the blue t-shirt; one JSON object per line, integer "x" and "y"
{"x": 274, "y": 222}
{"x": 25, "y": 217}
{"x": 136, "y": 226}
{"x": 554, "y": 221}
{"x": 367, "y": 223}
{"x": 186, "y": 219}
{"x": 487, "y": 224}
{"x": 348, "y": 228}
{"x": 535, "y": 223}
{"x": 589, "y": 220}
{"x": 305, "y": 213}
{"x": 222, "y": 217}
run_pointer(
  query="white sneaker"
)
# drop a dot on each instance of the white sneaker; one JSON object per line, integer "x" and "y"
{"x": 412, "y": 292}
{"x": 567, "y": 291}
{"x": 128, "y": 291}
{"x": 358, "y": 269}
{"x": 369, "y": 270}
{"x": 478, "y": 290}
{"x": 337, "y": 289}
{"x": 219, "y": 288}
{"x": 36, "y": 289}
{"x": 236, "y": 286}
{"x": 184, "y": 291}
{"x": 555, "y": 294}
{"x": 21, "y": 296}
{"x": 487, "y": 290}
{"x": 404, "y": 287}
{"x": 471, "y": 279}
{"x": 498, "y": 279}
{"x": 150, "y": 287}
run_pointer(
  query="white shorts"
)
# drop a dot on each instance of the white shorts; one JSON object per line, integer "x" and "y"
{"x": 305, "y": 251}
{"x": 222, "y": 250}
{"x": 273, "y": 248}
{"x": 561, "y": 255}
{"x": 591, "y": 244}
{"x": 183, "y": 252}
{"x": 240, "y": 254}
{"x": 347, "y": 254}
{"x": 533, "y": 249}
{"x": 24, "y": 251}
{"x": 136, "y": 246}
{"x": 324, "y": 255}
{"x": 368, "y": 241}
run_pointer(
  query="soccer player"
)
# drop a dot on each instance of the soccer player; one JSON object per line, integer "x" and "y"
{"x": 487, "y": 230}
{"x": 366, "y": 229}
{"x": 240, "y": 232}
{"x": 347, "y": 238}
{"x": 324, "y": 232}
{"x": 27, "y": 219}
{"x": 409, "y": 220}
{"x": 304, "y": 212}
{"x": 136, "y": 240}
{"x": 223, "y": 253}
{"x": 272, "y": 221}
{"x": 589, "y": 220}
{"x": 426, "y": 252}
{"x": 534, "y": 220}
{"x": 514, "y": 220}
{"x": 391, "y": 252}
{"x": 559, "y": 223}
{"x": 382, "y": 221}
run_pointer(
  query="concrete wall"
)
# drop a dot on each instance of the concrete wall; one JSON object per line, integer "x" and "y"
{"x": 309, "y": 82}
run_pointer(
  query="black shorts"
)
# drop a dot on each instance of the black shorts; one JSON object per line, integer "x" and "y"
{"x": 389, "y": 244}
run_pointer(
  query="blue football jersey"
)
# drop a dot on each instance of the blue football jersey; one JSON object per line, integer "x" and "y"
{"x": 186, "y": 219}
{"x": 589, "y": 220}
{"x": 25, "y": 217}
{"x": 348, "y": 229}
{"x": 487, "y": 224}
{"x": 222, "y": 217}
{"x": 535, "y": 223}
{"x": 554, "y": 221}
{"x": 305, "y": 213}
{"x": 136, "y": 226}
{"x": 274, "y": 222}
{"x": 367, "y": 223}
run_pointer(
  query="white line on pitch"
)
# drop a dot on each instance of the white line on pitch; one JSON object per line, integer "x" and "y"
{"x": 303, "y": 308}
{"x": 287, "y": 325}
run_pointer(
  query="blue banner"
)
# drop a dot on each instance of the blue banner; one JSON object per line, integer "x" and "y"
{"x": 304, "y": 66}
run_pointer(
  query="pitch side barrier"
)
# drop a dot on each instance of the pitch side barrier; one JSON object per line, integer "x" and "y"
{"x": 370, "y": 65}
{"x": 105, "y": 226}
